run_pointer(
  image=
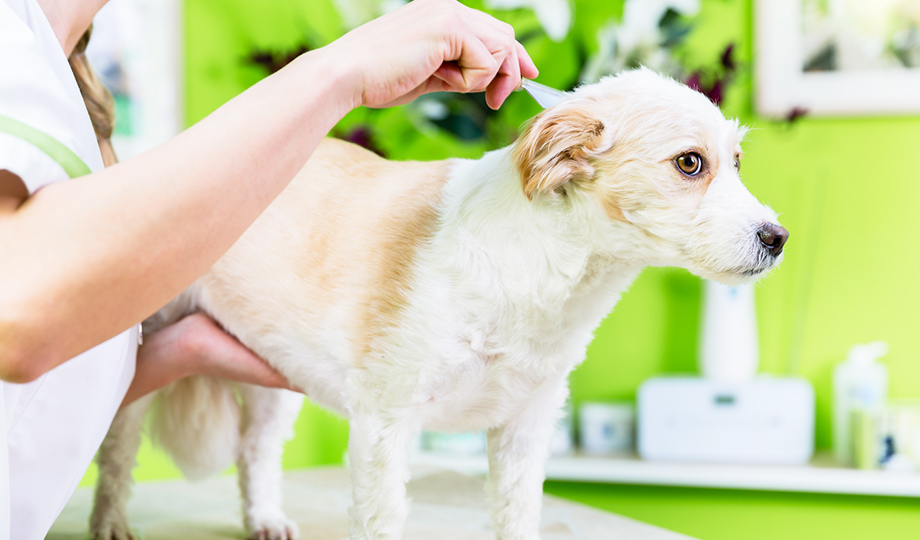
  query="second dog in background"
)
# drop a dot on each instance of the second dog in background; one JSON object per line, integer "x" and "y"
{"x": 453, "y": 295}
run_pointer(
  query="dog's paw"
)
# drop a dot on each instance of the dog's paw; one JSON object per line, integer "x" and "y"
{"x": 112, "y": 531}
{"x": 273, "y": 528}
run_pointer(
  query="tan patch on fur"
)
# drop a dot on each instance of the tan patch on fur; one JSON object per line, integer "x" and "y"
{"x": 556, "y": 148}
{"x": 354, "y": 224}
{"x": 403, "y": 236}
{"x": 614, "y": 190}
{"x": 612, "y": 207}
{"x": 706, "y": 178}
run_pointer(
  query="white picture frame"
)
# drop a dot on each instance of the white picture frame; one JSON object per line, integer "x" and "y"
{"x": 783, "y": 86}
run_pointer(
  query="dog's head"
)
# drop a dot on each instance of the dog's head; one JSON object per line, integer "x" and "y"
{"x": 658, "y": 164}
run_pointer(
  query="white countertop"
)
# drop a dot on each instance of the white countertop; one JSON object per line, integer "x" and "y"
{"x": 445, "y": 506}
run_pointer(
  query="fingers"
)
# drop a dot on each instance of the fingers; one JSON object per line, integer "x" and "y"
{"x": 473, "y": 69}
{"x": 427, "y": 46}
{"x": 506, "y": 80}
{"x": 528, "y": 68}
{"x": 473, "y": 72}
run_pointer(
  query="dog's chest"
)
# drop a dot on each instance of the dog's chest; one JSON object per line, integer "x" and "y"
{"x": 479, "y": 364}
{"x": 482, "y": 383}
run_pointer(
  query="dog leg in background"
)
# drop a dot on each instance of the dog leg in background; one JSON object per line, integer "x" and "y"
{"x": 517, "y": 458}
{"x": 268, "y": 420}
{"x": 116, "y": 459}
{"x": 378, "y": 456}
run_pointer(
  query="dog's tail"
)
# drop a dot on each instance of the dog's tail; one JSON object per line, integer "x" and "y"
{"x": 197, "y": 421}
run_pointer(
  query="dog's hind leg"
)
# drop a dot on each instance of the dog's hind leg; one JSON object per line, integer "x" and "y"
{"x": 268, "y": 421}
{"x": 116, "y": 459}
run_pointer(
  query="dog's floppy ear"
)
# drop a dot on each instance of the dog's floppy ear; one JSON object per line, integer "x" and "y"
{"x": 555, "y": 148}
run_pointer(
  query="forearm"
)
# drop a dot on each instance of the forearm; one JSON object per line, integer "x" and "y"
{"x": 101, "y": 253}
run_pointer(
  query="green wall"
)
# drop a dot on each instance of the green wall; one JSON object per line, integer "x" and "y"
{"x": 721, "y": 514}
{"x": 845, "y": 188}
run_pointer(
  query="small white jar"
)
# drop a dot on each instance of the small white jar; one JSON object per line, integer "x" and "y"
{"x": 606, "y": 428}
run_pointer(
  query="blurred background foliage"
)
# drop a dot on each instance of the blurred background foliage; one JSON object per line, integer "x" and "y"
{"x": 571, "y": 44}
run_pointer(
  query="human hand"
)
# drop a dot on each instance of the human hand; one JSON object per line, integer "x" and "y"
{"x": 429, "y": 46}
{"x": 196, "y": 345}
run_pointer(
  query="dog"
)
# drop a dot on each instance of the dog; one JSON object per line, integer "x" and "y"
{"x": 455, "y": 295}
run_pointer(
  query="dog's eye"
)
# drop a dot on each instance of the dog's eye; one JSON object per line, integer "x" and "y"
{"x": 690, "y": 163}
{"x": 737, "y": 163}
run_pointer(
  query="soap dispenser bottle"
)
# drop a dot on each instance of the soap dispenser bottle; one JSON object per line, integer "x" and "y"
{"x": 860, "y": 382}
{"x": 728, "y": 347}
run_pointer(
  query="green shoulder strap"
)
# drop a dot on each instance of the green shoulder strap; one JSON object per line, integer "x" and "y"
{"x": 56, "y": 150}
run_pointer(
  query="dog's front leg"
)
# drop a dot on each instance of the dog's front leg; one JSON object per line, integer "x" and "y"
{"x": 377, "y": 451}
{"x": 517, "y": 458}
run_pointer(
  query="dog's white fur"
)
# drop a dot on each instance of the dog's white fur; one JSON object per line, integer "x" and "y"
{"x": 451, "y": 295}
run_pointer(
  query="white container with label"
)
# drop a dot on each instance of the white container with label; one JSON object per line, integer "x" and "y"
{"x": 860, "y": 384}
{"x": 606, "y": 428}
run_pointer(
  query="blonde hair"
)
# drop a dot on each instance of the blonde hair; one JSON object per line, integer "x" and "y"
{"x": 98, "y": 99}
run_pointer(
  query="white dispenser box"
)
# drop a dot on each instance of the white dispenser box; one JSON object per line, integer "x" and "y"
{"x": 762, "y": 421}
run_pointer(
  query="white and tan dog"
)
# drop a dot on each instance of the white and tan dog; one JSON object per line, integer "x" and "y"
{"x": 454, "y": 295}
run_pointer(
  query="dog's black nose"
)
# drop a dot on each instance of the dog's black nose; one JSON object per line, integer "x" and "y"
{"x": 773, "y": 237}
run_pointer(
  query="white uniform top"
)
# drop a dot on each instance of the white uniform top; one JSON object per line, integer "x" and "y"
{"x": 50, "y": 428}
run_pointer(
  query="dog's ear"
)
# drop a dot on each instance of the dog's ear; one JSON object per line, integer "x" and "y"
{"x": 555, "y": 148}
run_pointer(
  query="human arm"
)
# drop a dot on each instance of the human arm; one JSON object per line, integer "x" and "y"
{"x": 102, "y": 252}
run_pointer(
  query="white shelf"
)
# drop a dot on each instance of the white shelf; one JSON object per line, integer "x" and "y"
{"x": 818, "y": 477}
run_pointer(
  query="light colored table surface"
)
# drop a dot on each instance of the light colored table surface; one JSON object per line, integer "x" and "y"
{"x": 445, "y": 506}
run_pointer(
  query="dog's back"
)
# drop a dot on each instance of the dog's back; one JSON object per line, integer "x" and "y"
{"x": 336, "y": 248}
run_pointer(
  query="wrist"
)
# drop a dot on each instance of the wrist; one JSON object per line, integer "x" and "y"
{"x": 336, "y": 82}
